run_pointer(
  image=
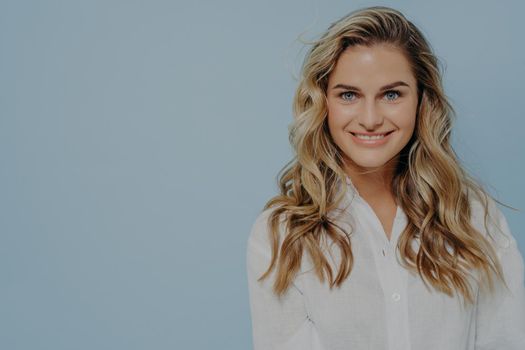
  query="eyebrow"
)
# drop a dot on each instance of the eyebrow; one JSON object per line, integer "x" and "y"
{"x": 386, "y": 87}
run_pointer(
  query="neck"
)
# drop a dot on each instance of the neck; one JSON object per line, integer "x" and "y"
{"x": 372, "y": 183}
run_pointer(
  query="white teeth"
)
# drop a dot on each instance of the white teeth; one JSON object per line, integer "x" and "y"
{"x": 364, "y": 137}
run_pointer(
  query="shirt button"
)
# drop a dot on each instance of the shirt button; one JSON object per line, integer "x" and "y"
{"x": 396, "y": 296}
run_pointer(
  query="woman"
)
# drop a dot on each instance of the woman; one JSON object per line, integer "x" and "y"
{"x": 379, "y": 239}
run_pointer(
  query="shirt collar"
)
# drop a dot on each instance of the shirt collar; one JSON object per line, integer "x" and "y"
{"x": 352, "y": 197}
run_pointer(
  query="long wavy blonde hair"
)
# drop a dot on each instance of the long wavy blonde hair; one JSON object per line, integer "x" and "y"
{"x": 430, "y": 184}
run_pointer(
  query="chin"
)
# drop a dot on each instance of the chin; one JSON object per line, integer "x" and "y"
{"x": 370, "y": 162}
{"x": 371, "y": 165}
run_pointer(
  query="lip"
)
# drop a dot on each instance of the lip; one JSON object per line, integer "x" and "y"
{"x": 372, "y": 142}
{"x": 371, "y": 133}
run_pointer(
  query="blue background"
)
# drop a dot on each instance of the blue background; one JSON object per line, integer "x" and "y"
{"x": 140, "y": 139}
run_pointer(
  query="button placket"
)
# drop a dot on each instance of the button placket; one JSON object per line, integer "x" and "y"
{"x": 394, "y": 292}
{"x": 391, "y": 278}
{"x": 396, "y": 296}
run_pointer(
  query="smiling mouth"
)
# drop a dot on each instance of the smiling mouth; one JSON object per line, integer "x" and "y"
{"x": 371, "y": 136}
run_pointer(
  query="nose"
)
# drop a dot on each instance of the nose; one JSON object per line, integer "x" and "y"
{"x": 371, "y": 117}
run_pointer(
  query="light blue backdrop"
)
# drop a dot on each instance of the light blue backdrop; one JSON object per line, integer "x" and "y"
{"x": 139, "y": 140}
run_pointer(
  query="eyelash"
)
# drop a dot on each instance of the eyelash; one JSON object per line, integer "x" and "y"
{"x": 386, "y": 92}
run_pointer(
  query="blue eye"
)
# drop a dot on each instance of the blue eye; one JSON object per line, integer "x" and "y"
{"x": 344, "y": 93}
{"x": 392, "y": 95}
{"x": 392, "y": 91}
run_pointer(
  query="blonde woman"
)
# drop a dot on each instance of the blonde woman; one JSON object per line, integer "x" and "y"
{"x": 379, "y": 239}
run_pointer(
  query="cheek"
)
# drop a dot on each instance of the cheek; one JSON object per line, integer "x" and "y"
{"x": 338, "y": 116}
{"x": 405, "y": 118}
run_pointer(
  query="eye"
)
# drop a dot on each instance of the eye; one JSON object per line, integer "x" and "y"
{"x": 390, "y": 92}
{"x": 342, "y": 95}
{"x": 391, "y": 95}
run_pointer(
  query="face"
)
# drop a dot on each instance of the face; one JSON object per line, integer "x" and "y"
{"x": 371, "y": 90}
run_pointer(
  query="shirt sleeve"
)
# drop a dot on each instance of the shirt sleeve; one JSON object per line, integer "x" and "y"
{"x": 500, "y": 318}
{"x": 277, "y": 324}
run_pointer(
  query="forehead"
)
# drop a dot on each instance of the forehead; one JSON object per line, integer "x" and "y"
{"x": 368, "y": 66}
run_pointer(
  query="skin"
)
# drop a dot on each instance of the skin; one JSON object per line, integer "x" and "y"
{"x": 371, "y": 109}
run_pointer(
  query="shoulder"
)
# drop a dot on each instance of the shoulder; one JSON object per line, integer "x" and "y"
{"x": 491, "y": 222}
{"x": 259, "y": 245}
{"x": 259, "y": 235}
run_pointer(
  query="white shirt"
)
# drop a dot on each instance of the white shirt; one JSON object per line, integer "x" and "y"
{"x": 381, "y": 305}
